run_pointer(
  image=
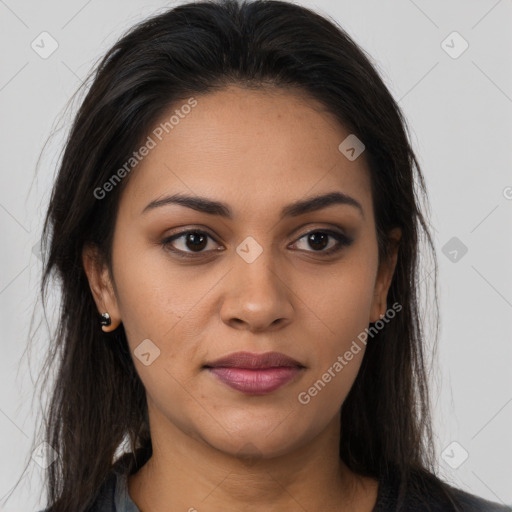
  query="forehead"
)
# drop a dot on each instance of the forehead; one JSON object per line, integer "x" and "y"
{"x": 254, "y": 149}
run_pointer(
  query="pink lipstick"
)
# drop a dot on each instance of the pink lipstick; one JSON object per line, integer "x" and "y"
{"x": 255, "y": 374}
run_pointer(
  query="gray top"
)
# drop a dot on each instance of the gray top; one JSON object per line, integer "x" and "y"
{"x": 121, "y": 501}
{"x": 113, "y": 495}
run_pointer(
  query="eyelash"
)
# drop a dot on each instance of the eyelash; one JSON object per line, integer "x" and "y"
{"x": 342, "y": 241}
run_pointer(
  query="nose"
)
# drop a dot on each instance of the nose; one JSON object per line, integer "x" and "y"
{"x": 258, "y": 296}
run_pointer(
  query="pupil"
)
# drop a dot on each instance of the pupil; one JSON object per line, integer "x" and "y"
{"x": 317, "y": 238}
{"x": 194, "y": 242}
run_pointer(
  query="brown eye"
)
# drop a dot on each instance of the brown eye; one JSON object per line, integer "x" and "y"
{"x": 192, "y": 241}
{"x": 195, "y": 241}
{"x": 318, "y": 240}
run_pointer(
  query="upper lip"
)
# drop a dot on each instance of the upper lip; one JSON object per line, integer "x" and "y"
{"x": 251, "y": 360}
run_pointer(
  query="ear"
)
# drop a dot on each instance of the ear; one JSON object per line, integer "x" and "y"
{"x": 101, "y": 286}
{"x": 384, "y": 276}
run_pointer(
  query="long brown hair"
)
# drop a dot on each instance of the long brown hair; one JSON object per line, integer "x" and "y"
{"x": 97, "y": 400}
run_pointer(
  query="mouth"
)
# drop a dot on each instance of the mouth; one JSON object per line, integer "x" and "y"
{"x": 255, "y": 374}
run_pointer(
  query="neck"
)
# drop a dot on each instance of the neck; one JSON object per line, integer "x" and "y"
{"x": 186, "y": 473}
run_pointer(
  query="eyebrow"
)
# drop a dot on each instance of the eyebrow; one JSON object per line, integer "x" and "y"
{"x": 205, "y": 205}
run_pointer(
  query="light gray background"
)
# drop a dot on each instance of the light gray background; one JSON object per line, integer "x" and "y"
{"x": 460, "y": 114}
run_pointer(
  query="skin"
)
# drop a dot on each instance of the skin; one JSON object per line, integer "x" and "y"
{"x": 256, "y": 151}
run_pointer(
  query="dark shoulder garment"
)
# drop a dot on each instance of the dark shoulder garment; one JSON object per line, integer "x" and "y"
{"x": 424, "y": 495}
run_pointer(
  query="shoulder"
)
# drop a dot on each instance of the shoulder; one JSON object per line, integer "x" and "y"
{"x": 105, "y": 497}
{"x": 112, "y": 495}
{"x": 472, "y": 503}
{"x": 105, "y": 500}
{"x": 422, "y": 491}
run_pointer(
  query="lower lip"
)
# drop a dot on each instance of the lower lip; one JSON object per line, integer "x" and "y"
{"x": 255, "y": 382}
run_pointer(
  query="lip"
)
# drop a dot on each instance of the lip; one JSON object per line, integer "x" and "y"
{"x": 255, "y": 374}
{"x": 249, "y": 360}
{"x": 255, "y": 382}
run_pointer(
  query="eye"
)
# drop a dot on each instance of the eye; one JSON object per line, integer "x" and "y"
{"x": 319, "y": 240}
{"x": 194, "y": 241}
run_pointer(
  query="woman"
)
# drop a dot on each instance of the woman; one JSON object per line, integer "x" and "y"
{"x": 235, "y": 229}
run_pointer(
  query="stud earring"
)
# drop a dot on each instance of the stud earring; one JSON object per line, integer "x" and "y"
{"x": 105, "y": 319}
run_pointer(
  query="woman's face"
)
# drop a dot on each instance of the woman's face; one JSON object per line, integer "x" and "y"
{"x": 252, "y": 279}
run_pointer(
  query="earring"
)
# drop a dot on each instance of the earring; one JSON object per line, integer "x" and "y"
{"x": 105, "y": 319}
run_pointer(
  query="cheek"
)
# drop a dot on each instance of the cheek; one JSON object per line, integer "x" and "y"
{"x": 344, "y": 301}
{"x": 152, "y": 294}
{"x": 343, "y": 304}
{"x": 164, "y": 303}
